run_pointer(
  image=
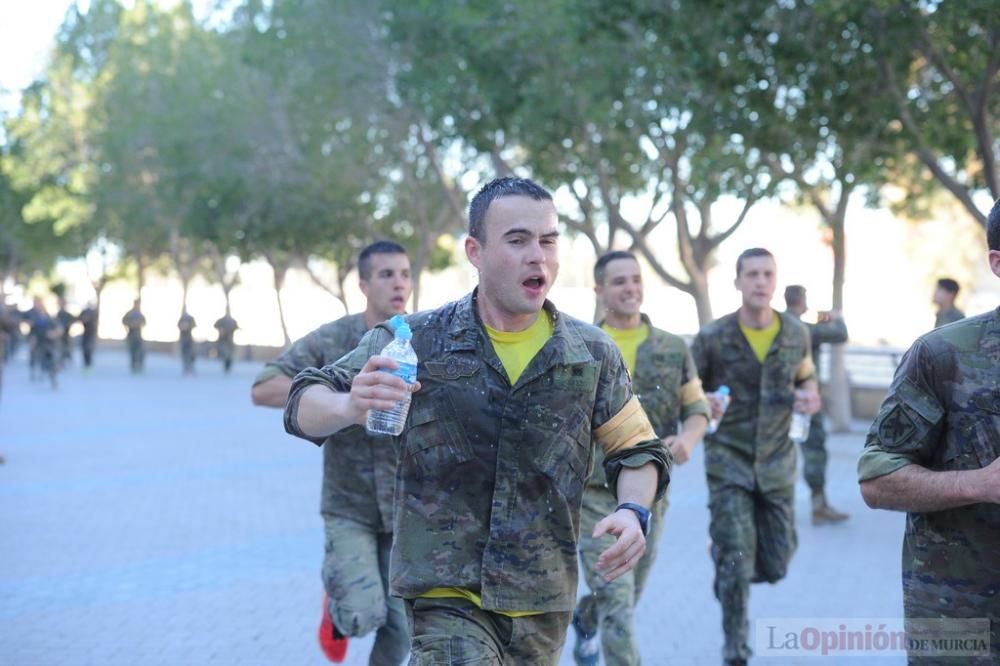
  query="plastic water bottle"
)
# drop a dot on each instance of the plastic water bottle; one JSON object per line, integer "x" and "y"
{"x": 723, "y": 395}
{"x": 390, "y": 422}
{"x": 798, "y": 432}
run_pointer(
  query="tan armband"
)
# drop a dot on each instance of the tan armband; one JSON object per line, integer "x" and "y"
{"x": 625, "y": 429}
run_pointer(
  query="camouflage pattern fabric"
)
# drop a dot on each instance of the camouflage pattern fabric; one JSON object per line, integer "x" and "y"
{"x": 133, "y": 322}
{"x": 948, "y": 316}
{"x": 751, "y": 448}
{"x": 88, "y": 339}
{"x": 814, "y": 454}
{"x": 943, "y": 412}
{"x": 225, "y": 345}
{"x": 359, "y": 476}
{"x": 65, "y": 320}
{"x": 355, "y": 572}
{"x": 455, "y": 631}
{"x": 491, "y": 476}
{"x": 359, "y": 471}
{"x": 750, "y": 462}
{"x": 663, "y": 365}
{"x": 186, "y": 326}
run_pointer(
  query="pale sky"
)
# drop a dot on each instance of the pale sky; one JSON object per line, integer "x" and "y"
{"x": 27, "y": 32}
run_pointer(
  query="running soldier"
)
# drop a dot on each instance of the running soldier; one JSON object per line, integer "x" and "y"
{"x": 133, "y": 321}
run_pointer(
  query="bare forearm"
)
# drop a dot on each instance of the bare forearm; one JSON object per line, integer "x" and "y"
{"x": 638, "y": 484}
{"x": 322, "y": 412}
{"x": 272, "y": 392}
{"x": 917, "y": 489}
{"x": 693, "y": 427}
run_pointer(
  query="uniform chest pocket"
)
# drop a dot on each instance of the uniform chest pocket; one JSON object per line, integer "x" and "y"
{"x": 986, "y": 440}
{"x": 435, "y": 440}
{"x": 565, "y": 446}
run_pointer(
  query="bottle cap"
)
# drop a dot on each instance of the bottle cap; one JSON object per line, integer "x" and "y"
{"x": 403, "y": 331}
{"x": 723, "y": 390}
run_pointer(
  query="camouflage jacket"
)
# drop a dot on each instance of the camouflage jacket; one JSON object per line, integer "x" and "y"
{"x": 88, "y": 317}
{"x": 490, "y": 476}
{"x": 951, "y": 315}
{"x": 943, "y": 412}
{"x": 226, "y": 326}
{"x": 751, "y": 448}
{"x": 359, "y": 472}
{"x": 134, "y": 321}
{"x": 186, "y": 326}
{"x": 833, "y": 331}
{"x": 667, "y": 385}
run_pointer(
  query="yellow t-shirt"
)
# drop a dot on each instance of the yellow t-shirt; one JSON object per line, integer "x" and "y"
{"x": 628, "y": 341}
{"x": 761, "y": 339}
{"x": 515, "y": 349}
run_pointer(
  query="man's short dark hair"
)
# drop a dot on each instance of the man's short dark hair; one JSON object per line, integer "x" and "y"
{"x": 378, "y": 247}
{"x": 508, "y": 186}
{"x": 795, "y": 295}
{"x": 993, "y": 228}
{"x": 601, "y": 267}
{"x": 948, "y": 285}
{"x": 748, "y": 254}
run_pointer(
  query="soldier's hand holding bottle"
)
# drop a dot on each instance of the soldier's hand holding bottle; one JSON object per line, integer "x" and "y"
{"x": 807, "y": 401}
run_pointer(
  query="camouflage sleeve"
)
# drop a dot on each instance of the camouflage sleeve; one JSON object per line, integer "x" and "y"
{"x": 700, "y": 356}
{"x": 909, "y": 423}
{"x": 622, "y": 428}
{"x": 693, "y": 400}
{"x": 336, "y": 376}
{"x": 304, "y": 353}
{"x": 833, "y": 331}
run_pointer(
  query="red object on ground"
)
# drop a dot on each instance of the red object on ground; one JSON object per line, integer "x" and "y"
{"x": 334, "y": 645}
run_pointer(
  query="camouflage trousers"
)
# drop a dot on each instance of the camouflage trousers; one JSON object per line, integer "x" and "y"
{"x": 356, "y": 578}
{"x": 456, "y": 631}
{"x": 136, "y": 355}
{"x": 610, "y": 607}
{"x": 187, "y": 357}
{"x": 753, "y": 539}
{"x": 814, "y": 455}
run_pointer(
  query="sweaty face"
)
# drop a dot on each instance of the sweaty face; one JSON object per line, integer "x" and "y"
{"x": 388, "y": 286}
{"x": 621, "y": 293}
{"x": 518, "y": 260}
{"x": 757, "y": 281}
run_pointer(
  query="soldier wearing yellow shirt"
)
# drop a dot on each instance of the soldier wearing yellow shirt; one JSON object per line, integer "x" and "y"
{"x": 666, "y": 381}
{"x": 497, "y": 446}
{"x": 764, "y": 357}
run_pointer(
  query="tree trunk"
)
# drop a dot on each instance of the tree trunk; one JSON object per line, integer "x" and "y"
{"x": 838, "y": 406}
{"x": 699, "y": 284}
{"x": 279, "y": 273}
{"x": 140, "y": 263}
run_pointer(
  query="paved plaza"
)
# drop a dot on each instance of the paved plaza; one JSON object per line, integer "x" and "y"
{"x": 158, "y": 519}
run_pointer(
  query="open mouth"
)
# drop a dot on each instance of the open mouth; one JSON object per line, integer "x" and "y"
{"x": 534, "y": 283}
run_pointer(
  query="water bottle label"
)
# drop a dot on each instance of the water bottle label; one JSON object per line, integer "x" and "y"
{"x": 407, "y": 372}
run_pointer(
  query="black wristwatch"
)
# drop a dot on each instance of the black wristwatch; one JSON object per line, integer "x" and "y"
{"x": 641, "y": 512}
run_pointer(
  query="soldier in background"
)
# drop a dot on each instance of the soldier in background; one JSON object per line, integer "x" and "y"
{"x": 944, "y": 298}
{"x": 185, "y": 326}
{"x": 934, "y": 452}
{"x": 828, "y": 329}
{"x": 66, "y": 320}
{"x": 225, "y": 345}
{"x": 764, "y": 357}
{"x": 88, "y": 339}
{"x": 666, "y": 382}
{"x": 499, "y": 442}
{"x": 359, "y": 473}
{"x": 44, "y": 337}
{"x": 133, "y": 321}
